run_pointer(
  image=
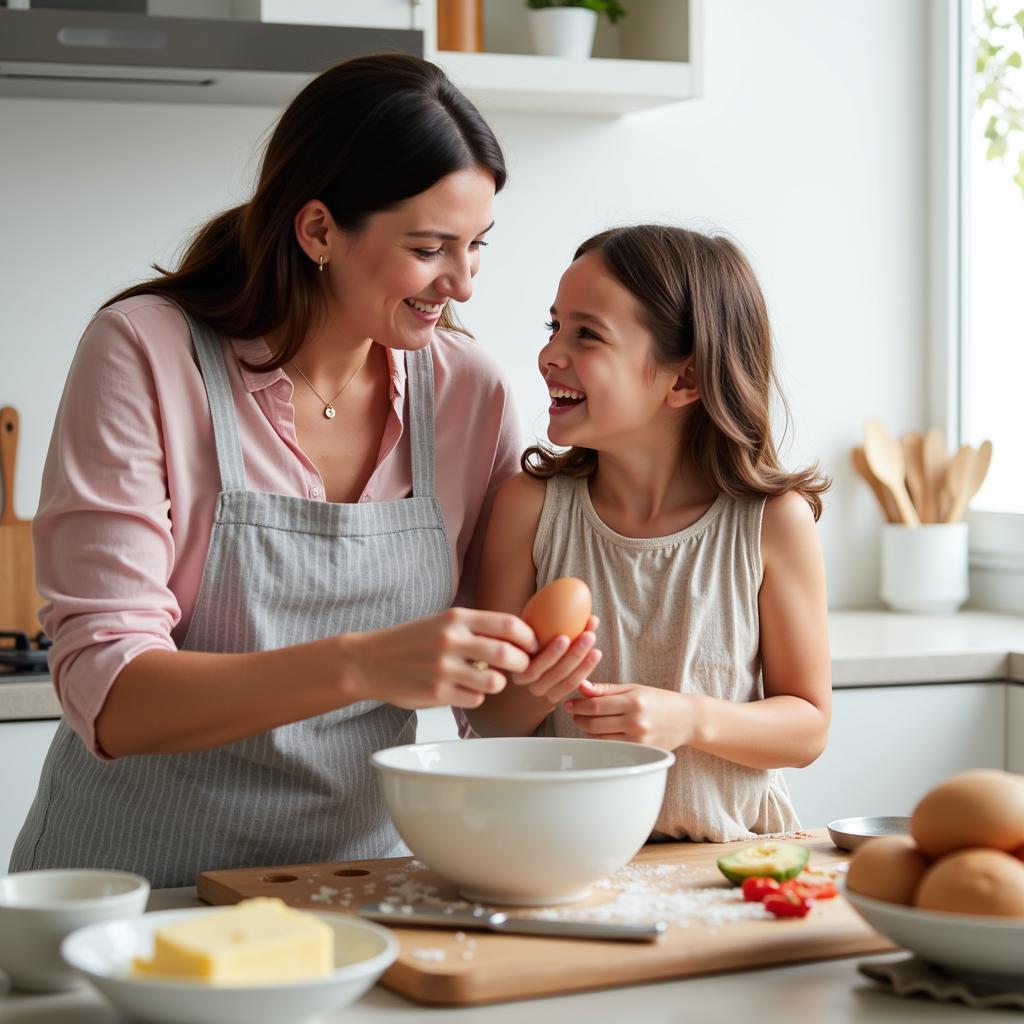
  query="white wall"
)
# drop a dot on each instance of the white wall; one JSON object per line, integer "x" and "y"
{"x": 808, "y": 146}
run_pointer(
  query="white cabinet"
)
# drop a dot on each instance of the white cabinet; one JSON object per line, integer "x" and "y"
{"x": 1015, "y": 727}
{"x": 435, "y": 724}
{"x": 23, "y": 746}
{"x": 889, "y": 745}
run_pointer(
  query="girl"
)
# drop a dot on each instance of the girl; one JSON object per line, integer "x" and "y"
{"x": 670, "y": 502}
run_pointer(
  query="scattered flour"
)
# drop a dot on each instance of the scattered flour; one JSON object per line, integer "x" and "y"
{"x": 637, "y": 892}
{"x": 430, "y": 955}
{"x": 325, "y": 895}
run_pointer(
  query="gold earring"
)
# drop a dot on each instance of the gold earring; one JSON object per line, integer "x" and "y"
{"x": 321, "y": 263}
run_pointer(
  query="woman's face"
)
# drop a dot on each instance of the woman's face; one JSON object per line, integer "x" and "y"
{"x": 606, "y": 390}
{"x": 391, "y": 279}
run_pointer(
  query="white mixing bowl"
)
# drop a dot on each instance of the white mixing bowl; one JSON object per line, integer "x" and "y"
{"x": 524, "y": 821}
{"x": 39, "y": 908}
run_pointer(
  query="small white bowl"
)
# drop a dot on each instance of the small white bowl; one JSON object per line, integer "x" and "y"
{"x": 39, "y": 908}
{"x": 984, "y": 950}
{"x": 526, "y": 821}
{"x": 104, "y": 954}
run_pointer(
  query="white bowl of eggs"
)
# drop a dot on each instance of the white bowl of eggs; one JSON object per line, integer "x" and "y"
{"x": 953, "y": 890}
{"x": 528, "y": 821}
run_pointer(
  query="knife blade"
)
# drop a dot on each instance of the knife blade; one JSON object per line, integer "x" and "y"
{"x": 487, "y": 920}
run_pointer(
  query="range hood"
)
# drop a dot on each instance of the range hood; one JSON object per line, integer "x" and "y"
{"x": 137, "y": 57}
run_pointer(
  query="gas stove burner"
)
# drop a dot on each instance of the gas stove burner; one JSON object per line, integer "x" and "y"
{"x": 21, "y": 653}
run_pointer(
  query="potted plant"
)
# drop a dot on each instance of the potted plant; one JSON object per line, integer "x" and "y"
{"x": 565, "y": 28}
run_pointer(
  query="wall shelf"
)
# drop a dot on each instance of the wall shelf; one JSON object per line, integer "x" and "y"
{"x": 523, "y": 82}
{"x": 651, "y": 58}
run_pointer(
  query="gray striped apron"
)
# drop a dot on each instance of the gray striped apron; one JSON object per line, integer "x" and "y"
{"x": 280, "y": 570}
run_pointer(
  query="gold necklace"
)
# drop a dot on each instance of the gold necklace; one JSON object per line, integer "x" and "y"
{"x": 329, "y": 410}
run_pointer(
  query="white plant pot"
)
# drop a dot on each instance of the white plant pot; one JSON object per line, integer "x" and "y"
{"x": 563, "y": 31}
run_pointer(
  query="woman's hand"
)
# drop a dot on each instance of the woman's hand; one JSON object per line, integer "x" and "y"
{"x": 454, "y": 658}
{"x": 639, "y": 714}
{"x": 562, "y": 666}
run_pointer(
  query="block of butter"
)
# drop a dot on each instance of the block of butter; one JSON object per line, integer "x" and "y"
{"x": 257, "y": 942}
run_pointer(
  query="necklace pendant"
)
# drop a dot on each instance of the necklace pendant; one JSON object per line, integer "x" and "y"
{"x": 329, "y": 411}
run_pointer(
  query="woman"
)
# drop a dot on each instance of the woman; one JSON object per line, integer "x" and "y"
{"x": 269, "y": 477}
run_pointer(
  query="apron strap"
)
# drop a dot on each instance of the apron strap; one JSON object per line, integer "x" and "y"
{"x": 210, "y": 351}
{"x": 420, "y": 376}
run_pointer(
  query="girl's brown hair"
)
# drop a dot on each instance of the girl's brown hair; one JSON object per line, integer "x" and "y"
{"x": 361, "y": 137}
{"x": 698, "y": 296}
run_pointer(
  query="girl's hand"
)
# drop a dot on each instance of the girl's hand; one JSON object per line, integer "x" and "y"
{"x": 639, "y": 714}
{"x": 454, "y": 658}
{"x": 561, "y": 667}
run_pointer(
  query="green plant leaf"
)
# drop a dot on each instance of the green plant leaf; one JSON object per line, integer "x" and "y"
{"x": 996, "y": 149}
{"x": 612, "y": 8}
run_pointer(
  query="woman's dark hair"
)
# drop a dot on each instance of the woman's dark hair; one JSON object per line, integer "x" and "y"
{"x": 361, "y": 137}
{"x": 698, "y": 296}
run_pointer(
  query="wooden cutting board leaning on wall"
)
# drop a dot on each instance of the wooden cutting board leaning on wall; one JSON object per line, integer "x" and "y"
{"x": 19, "y": 602}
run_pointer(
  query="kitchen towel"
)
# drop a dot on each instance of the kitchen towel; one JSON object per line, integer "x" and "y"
{"x": 912, "y": 976}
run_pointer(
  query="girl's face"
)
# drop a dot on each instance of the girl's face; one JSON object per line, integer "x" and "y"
{"x": 607, "y": 392}
{"x": 391, "y": 279}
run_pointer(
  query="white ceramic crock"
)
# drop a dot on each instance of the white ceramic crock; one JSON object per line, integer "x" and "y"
{"x": 924, "y": 568}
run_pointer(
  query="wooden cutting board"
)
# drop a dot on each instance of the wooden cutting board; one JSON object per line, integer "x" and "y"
{"x": 442, "y": 967}
{"x": 19, "y": 602}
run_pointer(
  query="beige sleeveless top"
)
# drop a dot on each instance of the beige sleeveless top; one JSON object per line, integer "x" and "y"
{"x": 678, "y": 612}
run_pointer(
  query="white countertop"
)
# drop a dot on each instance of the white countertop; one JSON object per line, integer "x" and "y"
{"x": 869, "y": 648}
{"x": 827, "y": 992}
{"x": 879, "y": 648}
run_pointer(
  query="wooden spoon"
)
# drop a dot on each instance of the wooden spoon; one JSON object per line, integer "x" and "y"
{"x": 884, "y": 498}
{"x": 885, "y": 458}
{"x": 913, "y": 457}
{"x": 958, "y": 479}
{"x": 969, "y": 480}
{"x": 934, "y": 459}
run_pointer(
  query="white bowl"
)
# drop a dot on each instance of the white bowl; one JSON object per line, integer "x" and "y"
{"x": 39, "y": 908}
{"x": 985, "y": 950}
{"x": 524, "y": 821}
{"x": 104, "y": 953}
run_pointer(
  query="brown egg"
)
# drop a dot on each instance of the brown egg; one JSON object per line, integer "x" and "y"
{"x": 560, "y": 608}
{"x": 974, "y": 882}
{"x": 979, "y": 808}
{"x": 887, "y": 868}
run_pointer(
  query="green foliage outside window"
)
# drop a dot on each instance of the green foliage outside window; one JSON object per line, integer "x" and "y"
{"x": 999, "y": 81}
{"x": 612, "y": 8}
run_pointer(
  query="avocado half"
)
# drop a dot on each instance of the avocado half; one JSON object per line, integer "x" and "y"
{"x": 780, "y": 861}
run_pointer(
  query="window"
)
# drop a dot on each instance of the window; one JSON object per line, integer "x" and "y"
{"x": 991, "y": 387}
{"x": 976, "y": 245}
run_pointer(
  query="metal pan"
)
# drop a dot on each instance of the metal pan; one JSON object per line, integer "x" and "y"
{"x": 849, "y": 833}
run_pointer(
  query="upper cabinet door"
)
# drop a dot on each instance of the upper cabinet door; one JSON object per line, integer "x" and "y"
{"x": 359, "y": 13}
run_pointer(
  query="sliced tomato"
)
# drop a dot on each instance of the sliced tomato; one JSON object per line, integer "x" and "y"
{"x": 787, "y": 904}
{"x": 810, "y": 890}
{"x": 755, "y": 889}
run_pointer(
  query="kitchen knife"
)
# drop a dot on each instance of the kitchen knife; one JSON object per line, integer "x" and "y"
{"x": 486, "y": 920}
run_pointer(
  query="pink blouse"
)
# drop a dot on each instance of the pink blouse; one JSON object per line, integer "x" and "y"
{"x": 131, "y": 482}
